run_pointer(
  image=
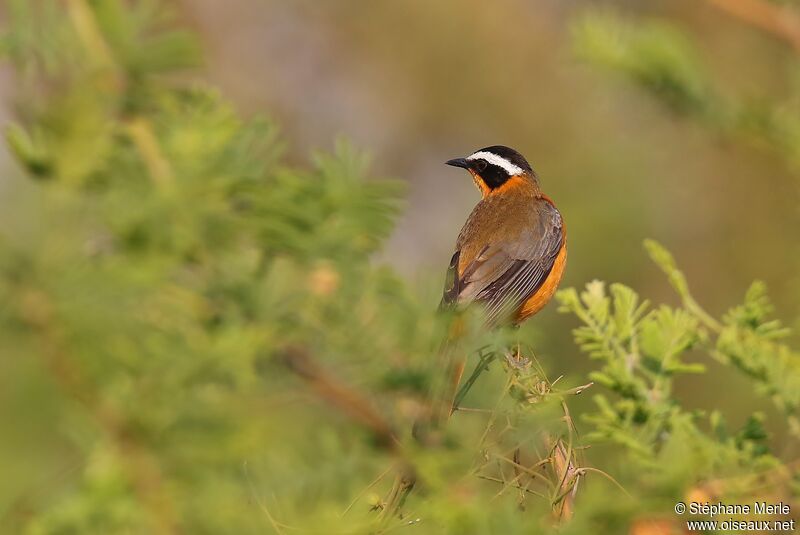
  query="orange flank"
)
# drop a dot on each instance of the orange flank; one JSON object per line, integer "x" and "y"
{"x": 545, "y": 292}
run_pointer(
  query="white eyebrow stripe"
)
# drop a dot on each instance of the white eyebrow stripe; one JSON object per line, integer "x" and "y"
{"x": 499, "y": 161}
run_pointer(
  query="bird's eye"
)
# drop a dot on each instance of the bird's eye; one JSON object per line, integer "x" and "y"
{"x": 481, "y": 166}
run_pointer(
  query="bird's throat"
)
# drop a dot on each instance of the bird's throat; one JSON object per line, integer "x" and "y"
{"x": 516, "y": 183}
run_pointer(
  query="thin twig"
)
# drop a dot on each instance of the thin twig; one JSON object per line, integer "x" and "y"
{"x": 405, "y": 480}
{"x": 357, "y": 407}
{"x": 524, "y": 489}
{"x": 607, "y": 476}
{"x": 480, "y": 367}
{"x": 260, "y": 502}
{"x": 365, "y": 489}
{"x": 143, "y": 137}
{"x": 89, "y": 33}
{"x": 530, "y": 471}
{"x": 470, "y": 409}
{"x": 352, "y": 403}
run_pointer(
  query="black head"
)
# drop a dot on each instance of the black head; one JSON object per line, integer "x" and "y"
{"x": 494, "y": 165}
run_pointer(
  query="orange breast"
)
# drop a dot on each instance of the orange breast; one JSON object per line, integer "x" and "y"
{"x": 542, "y": 296}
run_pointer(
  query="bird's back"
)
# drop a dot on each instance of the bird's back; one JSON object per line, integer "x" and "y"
{"x": 506, "y": 250}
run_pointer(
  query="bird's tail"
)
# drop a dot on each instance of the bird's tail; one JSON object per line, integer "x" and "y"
{"x": 448, "y": 368}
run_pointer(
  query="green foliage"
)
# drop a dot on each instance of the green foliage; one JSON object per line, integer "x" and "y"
{"x": 654, "y": 54}
{"x": 660, "y": 58}
{"x": 642, "y": 353}
{"x": 747, "y": 339}
{"x": 169, "y": 256}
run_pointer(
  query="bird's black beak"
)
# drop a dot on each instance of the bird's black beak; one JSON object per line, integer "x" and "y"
{"x": 458, "y": 162}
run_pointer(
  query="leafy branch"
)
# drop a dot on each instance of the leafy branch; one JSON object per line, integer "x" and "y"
{"x": 642, "y": 352}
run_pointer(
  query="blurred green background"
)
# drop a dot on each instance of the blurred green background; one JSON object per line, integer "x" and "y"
{"x": 415, "y": 83}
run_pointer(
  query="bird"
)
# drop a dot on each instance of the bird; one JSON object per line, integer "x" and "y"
{"x": 509, "y": 256}
{"x": 511, "y": 253}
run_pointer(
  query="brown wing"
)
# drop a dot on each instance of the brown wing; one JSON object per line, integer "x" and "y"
{"x": 503, "y": 276}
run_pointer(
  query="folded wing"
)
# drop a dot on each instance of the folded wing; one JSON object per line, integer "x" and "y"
{"x": 504, "y": 276}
